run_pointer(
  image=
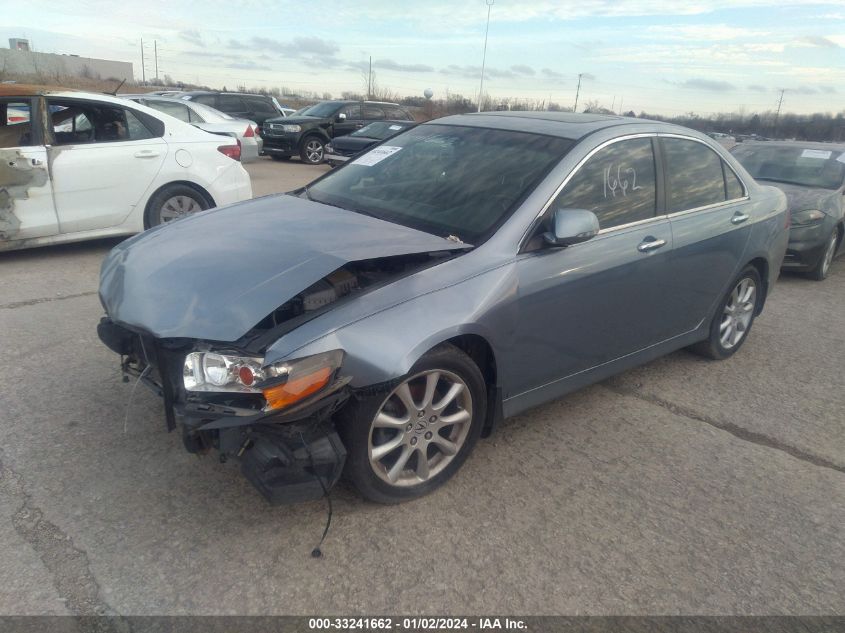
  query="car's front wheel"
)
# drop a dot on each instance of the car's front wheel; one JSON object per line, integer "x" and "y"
{"x": 312, "y": 151}
{"x": 172, "y": 203}
{"x": 820, "y": 272}
{"x": 409, "y": 441}
{"x": 734, "y": 317}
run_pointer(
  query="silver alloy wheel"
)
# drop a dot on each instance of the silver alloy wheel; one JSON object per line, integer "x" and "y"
{"x": 738, "y": 313}
{"x": 828, "y": 255}
{"x": 420, "y": 427}
{"x": 177, "y": 207}
{"x": 314, "y": 151}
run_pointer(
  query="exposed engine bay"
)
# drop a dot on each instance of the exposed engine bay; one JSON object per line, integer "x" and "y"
{"x": 350, "y": 280}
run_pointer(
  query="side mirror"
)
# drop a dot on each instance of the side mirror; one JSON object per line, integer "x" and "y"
{"x": 572, "y": 226}
{"x": 341, "y": 116}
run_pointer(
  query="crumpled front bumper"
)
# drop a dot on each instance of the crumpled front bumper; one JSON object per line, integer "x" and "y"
{"x": 289, "y": 456}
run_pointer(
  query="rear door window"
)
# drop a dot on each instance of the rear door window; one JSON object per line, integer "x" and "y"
{"x": 396, "y": 114}
{"x": 232, "y": 104}
{"x": 618, "y": 184}
{"x": 260, "y": 104}
{"x": 209, "y": 100}
{"x": 79, "y": 122}
{"x": 372, "y": 112}
{"x": 694, "y": 176}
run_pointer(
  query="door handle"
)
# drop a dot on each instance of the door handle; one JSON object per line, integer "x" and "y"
{"x": 37, "y": 162}
{"x": 739, "y": 218}
{"x": 146, "y": 153}
{"x": 649, "y": 245}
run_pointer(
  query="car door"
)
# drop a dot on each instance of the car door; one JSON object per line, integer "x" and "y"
{"x": 593, "y": 302}
{"x": 709, "y": 212}
{"x": 27, "y": 209}
{"x": 353, "y": 120}
{"x": 103, "y": 158}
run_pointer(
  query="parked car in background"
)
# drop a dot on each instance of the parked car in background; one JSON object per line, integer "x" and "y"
{"x": 812, "y": 175}
{"x": 478, "y": 266}
{"x": 91, "y": 165}
{"x": 208, "y": 119}
{"x": 725, "y": 140}
{"x": 306, "y": 133}
{"x": 241, "y": 105}
{"x": 342, "y": 148}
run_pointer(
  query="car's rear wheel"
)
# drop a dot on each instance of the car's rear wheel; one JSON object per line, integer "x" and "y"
{"x": 411, "y": 441}
{"x": 174, "y": 202}
{"x": 820, "y": 272}
{"x": 312, "y": 151}
{"x": 734, "y": 317}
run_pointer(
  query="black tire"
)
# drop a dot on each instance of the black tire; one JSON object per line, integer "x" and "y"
{"x": 155, "y": 207}
{"x": 311, "y": 155}
{"x": 355, "y": 425}
{"x": 713, "y": 346}
{"x": 820, "y": 272}
{"x": 275, "y": 157}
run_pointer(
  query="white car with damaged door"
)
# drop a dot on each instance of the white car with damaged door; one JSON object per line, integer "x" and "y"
{"x": 83, "y": 166}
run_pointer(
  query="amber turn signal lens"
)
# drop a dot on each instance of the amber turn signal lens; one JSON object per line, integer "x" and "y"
{"x": 295, "y": 390}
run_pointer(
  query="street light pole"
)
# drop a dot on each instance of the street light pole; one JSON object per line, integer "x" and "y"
{"x": 484, "y": 55}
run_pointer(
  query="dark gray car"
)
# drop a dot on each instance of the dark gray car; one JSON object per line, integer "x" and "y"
{"x": 388, "y": 315}
{"x": 812, "y": 175}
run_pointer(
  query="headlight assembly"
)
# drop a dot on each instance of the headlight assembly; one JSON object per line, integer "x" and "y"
{"x": 282, "y": 384}
{"x": 807, "y": 217}
{"x": 291, "y": 128}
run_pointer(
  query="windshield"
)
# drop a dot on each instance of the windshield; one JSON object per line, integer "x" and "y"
{"x": 793, "y": 164}
{"x": 380, "y": 130}
{"x": 444, "y": 179}
{"x": 321, "y": 110}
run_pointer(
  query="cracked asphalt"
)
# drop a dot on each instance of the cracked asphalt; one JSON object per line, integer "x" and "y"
{"x": 683, "y": 487}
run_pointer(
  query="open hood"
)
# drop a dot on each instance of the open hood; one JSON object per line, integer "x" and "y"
{"x": 216, "y": 274}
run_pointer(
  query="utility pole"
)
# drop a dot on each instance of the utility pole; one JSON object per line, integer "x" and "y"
{"x": 620, "y": 105}
{"x": 613, "y": 105}
{"x": 155, "y": 54}
{"x": 577, "y": 92}
{"x": 370, "y": 79}
{"x": 484, "y": 54}
{"x": 143, "y": 69}
{"x": 777, "y": 114}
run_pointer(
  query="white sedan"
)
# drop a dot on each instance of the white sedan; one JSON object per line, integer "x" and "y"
{"x": 81, "y": 166}
{"x": 207, "y": 118}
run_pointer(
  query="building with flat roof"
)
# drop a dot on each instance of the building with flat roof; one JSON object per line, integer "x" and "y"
{"x": 19, "y": 59}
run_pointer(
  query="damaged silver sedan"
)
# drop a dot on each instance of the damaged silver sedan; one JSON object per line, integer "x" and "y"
{"x": 382, "y": 319}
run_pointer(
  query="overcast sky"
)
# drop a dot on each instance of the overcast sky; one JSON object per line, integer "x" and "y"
{"x": 661, "y": 56}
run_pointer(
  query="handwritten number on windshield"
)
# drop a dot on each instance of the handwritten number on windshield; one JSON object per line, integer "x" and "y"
{"x": 617, "y": 180}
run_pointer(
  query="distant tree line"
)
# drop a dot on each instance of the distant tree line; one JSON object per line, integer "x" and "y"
{"x": 803, "y": 127}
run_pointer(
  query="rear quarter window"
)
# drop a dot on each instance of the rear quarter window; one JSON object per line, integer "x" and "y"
{"x": 694, "y": 175}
